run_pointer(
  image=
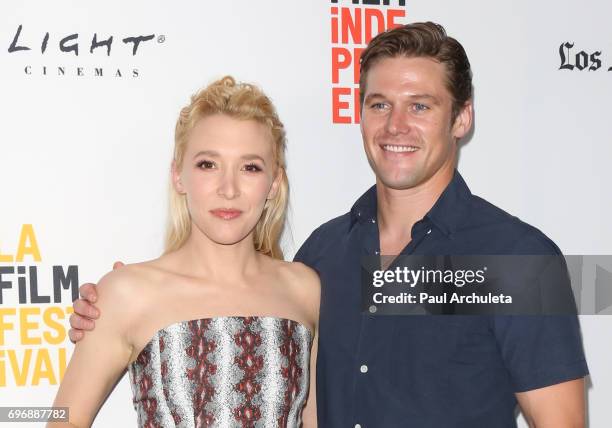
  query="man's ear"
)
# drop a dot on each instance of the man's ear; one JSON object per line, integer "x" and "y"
{"x": 176, "y": 179}
{"x": 463, "y": 121}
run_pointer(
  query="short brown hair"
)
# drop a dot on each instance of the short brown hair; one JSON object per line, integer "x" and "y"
{"x": 422, "y": 39}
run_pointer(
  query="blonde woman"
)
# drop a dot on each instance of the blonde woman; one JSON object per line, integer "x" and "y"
{"x": 219, "y": 330}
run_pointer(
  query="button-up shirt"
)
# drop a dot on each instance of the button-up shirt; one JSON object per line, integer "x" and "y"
{"x": 430, "y": 371}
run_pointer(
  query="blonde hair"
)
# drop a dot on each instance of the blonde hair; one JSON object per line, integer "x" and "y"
{"x": 245, "y": 102}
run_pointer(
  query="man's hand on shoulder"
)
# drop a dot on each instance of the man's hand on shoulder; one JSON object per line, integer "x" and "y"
{"x": 85, "y": 311}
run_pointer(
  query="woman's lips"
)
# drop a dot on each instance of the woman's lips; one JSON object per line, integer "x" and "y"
{"x": 226, "y": 214}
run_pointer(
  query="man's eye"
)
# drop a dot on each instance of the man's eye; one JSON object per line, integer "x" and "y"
{"x": 205, "y": 164}
{"x": 251, "y": 167}
{"x": 378, "y": 106}
{"x": 420, "y": 107}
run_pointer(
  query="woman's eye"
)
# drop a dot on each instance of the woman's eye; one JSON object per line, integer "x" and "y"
{"x": 205, "y": 164}
{"x": 251, "y": 167}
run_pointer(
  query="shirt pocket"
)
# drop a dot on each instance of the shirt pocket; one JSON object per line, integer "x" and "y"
{"x": 420, "y": 362}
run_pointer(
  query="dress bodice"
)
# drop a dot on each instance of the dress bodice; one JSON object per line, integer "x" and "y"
{"x": 223, "y": 372}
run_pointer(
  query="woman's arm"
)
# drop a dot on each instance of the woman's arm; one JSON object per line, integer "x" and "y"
{"x": 101, "y": 357}
{"x": 310, "y": 296}
{"x": 310, "y": 411}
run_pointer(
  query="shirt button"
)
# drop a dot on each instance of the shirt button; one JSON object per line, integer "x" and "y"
{"x": 429, "y": 231}
{"x": 373, "y": 220}
{"x": 357, "y": 426}
{"x": 363, "y": 369}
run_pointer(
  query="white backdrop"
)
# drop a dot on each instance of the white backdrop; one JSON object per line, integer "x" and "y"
{"x": 83, "y": 158}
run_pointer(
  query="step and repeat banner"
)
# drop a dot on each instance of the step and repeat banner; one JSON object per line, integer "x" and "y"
{"x": 91, "y": 92}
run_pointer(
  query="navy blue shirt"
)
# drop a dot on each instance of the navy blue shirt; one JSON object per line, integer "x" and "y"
{"x": 431, "y": 371}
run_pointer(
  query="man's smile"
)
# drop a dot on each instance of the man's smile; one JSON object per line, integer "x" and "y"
{"x": 398, "y": 148}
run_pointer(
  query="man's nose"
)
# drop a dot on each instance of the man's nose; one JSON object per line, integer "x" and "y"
{"x": 398, "y": 122}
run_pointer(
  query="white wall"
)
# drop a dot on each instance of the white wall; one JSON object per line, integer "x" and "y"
{"x": 84, "y": 159}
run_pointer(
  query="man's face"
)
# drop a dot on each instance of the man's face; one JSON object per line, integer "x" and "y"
{"x": 406, "y": 121}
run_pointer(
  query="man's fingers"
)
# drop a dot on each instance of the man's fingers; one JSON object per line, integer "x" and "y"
{"x": 75, "y": 335}
{"x": 88, "y": 292}
{"x": 84, "y": 309}
{"x": 117, "y": 265}
{"x": 77, "y": 322}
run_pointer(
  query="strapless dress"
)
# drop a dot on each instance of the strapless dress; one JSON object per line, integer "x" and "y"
{"x": 223, "y": 372}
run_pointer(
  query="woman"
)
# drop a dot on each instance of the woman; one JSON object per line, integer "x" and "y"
{"x": 218, "y": 330}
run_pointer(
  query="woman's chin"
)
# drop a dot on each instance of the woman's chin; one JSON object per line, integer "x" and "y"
{"x": 227, "y": 239}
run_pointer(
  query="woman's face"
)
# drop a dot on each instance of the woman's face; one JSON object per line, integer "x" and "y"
{"x": 227, "y": 174}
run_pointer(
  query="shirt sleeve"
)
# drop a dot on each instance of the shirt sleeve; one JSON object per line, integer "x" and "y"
{"x": 540, "y": 350}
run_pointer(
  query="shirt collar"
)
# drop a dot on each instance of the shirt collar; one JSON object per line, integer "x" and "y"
{"x": 452, "y": 206}
{"x": 364, "y": 209}
{"x": 446, "y": 214}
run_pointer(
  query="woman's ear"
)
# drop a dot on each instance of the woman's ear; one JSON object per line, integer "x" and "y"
{"x": 176, "y": 179}
{"x": 276, "y": 183}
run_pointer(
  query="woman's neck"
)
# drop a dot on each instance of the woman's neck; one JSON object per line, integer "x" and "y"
{"x": 203, "y": 258}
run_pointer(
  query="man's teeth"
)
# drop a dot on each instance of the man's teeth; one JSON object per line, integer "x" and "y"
{"x": 392, "y": 148}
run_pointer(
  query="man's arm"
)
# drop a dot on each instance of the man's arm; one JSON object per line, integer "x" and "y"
{"x": 545, "y": 360}
{"x": 556, "y": 406}
{"x": 85, "y": 313}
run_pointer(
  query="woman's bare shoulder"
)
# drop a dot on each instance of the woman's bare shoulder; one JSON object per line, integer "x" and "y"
{"x": 129, "y": 278}
{"x": 131, "y": 287}
{"x": 302, "y": 273}
{"x": 303, "y": 281}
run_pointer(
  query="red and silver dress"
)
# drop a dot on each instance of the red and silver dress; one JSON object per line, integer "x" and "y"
{"x": 223, "y": 372}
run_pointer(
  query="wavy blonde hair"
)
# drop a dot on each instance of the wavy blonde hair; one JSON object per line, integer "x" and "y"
{"x": 245, "y": 102}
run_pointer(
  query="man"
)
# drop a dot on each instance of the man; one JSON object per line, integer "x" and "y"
{"x": 427, "y": 371}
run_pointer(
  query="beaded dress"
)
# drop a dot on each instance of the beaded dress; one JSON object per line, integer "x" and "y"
{"x": 223, "y": 372}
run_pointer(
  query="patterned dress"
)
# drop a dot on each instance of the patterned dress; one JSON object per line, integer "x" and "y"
{"x": 223, "y": 372}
